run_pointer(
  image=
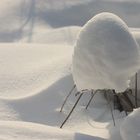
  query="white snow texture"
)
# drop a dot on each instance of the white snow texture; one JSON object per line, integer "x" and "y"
{"x": 130, "y": 129}
{"x": 106, "y": 54}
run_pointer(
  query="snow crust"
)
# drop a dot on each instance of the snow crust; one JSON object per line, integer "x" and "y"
{"x": 130, "y": 129}
{"x": 106, "y": 54}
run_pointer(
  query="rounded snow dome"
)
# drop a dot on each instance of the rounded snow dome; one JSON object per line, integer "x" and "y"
{"x": 106, "y": 54}
{"x": 130, "y": 128}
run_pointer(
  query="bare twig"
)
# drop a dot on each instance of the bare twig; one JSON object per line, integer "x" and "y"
{"x": 93, "y": 94}
{"x": 67, "y": 97}
{"x": 71, "y": 110}
{"x": 136, "y": 89}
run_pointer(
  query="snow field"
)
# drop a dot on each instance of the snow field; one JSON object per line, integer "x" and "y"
{"x": 35, "y": 78}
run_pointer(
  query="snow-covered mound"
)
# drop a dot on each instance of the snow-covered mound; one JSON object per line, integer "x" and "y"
{"x": 106, "y": 54}
{"x": 130, "y": 129}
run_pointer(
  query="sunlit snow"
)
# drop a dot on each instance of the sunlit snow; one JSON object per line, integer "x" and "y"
{"x": 106, "y": 54}
{"x": 37, "y": 42}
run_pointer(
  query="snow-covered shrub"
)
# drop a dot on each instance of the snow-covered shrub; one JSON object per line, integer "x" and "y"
{"x": 106, "y": 54}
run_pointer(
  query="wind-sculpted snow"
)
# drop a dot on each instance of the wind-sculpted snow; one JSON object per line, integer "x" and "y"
{"x": 106, "y": 54}
{"x": 27, "y": 69}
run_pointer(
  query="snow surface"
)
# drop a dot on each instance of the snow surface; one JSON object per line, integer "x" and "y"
{"x": 130, "y": 129}
{"x": 35, "y": 78}
{"x": 32, "y": 20}
{"x": 43, "y": 108}
{"x": 27, "y": 131}
{"x": 28, "y": 69}
{"x": 106, "y": 54}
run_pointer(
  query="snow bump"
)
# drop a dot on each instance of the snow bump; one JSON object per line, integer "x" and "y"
{"x": 106, "y": 54}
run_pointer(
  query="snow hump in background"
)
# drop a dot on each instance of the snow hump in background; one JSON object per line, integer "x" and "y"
{"x": 130, "y": 129}
{"x": 106, "y": 54}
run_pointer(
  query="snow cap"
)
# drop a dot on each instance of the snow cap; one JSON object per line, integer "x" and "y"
{"x": 106, "y": 54}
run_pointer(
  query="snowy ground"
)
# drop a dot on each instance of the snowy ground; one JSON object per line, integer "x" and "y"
{"x": 36, "y": 77}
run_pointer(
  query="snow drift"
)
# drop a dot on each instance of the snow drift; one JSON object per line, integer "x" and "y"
{"x": 27, "y": 69}
{"x": 106, "y": 54}
{"x": 130, "y": 129}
